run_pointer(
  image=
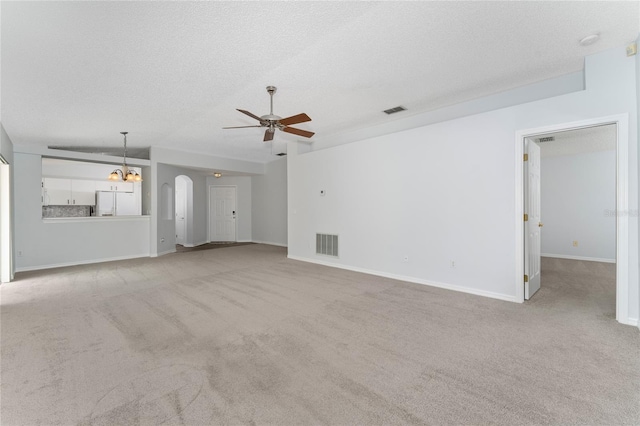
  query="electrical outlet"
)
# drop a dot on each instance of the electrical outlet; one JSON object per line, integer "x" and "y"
{"x": 453, "y": 264}
{"x": 575, "y": 244}
{"x": 19, "y": 253}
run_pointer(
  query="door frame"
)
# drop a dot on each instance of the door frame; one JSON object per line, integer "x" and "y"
{"x": 209, "y": 212}
{"x": 532, "y": 269}
{"x": 6, "y": 237}
{"x": 622, "y": 204}
{"x": 187, "y": 184}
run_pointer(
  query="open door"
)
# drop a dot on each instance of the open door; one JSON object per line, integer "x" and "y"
{"x": 181, "y": 211}
{"x": 532, "y": 222}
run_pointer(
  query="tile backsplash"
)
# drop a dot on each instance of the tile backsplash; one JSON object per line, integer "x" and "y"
{"x": 66, "y": 211}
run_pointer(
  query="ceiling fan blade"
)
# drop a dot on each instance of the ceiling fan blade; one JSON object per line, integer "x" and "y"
{"x": 250, "y": 115}
{"x": 268, "y": 135}
{"x": 239, "y": 127}
{"x": 298, "y": 132}
{"x": 295, "y": 119}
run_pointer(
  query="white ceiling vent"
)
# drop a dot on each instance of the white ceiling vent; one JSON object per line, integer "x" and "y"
{"x": 327, "y": 244}
{"x": 546, "y": 139}
{"x": 394, "y": 110}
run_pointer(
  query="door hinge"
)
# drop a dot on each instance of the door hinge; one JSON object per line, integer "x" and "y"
{"x": 526, "y": 278}
{"x": 526, "y": 157}
{"x": 526, "y": 217}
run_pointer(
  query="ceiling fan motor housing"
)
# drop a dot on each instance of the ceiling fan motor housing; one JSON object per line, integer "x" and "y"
{"x": 273, "y": 122}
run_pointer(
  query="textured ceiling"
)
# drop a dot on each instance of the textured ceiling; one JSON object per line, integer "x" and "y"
{"x": 572, "y": 142}
{"x": 172, "y": 73}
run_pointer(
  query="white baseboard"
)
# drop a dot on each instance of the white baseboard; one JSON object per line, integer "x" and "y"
{"x": 81, "y": 262}
{"x": 162, "y": 253}
{"x": 193, "y": 245}
{"x": 632, "y": 321}
{"x": 445, "y": 286}
{"x": 269, "y": 243}
{"x": 588, "y": 259}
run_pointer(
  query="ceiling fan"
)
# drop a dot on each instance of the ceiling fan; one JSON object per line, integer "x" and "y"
{"x": 273, "y": 122}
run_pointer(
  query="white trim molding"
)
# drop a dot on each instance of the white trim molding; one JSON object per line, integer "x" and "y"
{"x": 586, "y": 259}
{"x": 80, "y": 262}
{"x": 408, "y": 279}
{"x": 269, "y": 243}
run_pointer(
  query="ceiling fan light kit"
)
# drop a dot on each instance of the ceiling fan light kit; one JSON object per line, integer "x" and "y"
{"x": 273, "y": 122}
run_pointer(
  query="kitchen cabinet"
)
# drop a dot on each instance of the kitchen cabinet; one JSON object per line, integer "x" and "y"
{"x": 57, "y": 191}
{"x": 114, "y": 186}
{"x": 63, "y": 192}
{"x": 83, "y": 192}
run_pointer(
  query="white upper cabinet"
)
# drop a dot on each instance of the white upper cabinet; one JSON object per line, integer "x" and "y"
{"x": 67, "y": 192}
{"x": 107, "y": 185}
{"x": 57, "y": 192}
{"x": 83, "y": 192}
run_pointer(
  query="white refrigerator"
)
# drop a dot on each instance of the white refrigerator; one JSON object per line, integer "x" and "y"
{"x": 110, "y": 203}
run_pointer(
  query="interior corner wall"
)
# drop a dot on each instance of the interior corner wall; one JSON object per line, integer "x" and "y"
{"x": 578, "y": 203}
{"x": 7, "y": 230}
{"x": 244, "y": 211}
{"x": 269, "y": 204}
{"x": 146, "y": 190}
{"x": 436, "y": 204}
{"x": 638, "y": 110}
{"x": 6, "y": 146}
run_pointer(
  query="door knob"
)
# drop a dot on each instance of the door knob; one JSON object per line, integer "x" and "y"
{"x": 540, "y": 224}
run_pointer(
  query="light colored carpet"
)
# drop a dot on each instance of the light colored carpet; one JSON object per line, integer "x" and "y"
{"x": 245, "y": 336}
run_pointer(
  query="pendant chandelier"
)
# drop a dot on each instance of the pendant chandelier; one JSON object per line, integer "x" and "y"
{"x": 125, "y": 173}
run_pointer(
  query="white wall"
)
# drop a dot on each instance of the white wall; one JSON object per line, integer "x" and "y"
{"x": 58, "y": 242}
{"x": 638, "y": 110}
{"x": 578, "y": 202}
{"x": 244, "y": 212}
{"x": 269, "y": 204}
{"x": 6, "y": 147}
{"x": 73, "y": 169}
{"x": 166, "y": 228}
{"x": 446, "y": 192}
{"x": 7, "y": 228}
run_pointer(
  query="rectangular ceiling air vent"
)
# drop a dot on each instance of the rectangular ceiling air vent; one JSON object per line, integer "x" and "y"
{"x": 547, "y": 139}
{"x": 282, "y": 154}
{"x": 394, "y": 110}
{"x": 327, "y": 244}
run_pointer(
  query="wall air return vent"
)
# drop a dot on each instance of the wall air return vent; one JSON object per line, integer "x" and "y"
{"x": 547, "y": 139}
{"x": 327, "y": 244}
{"x": 394, "y": 110}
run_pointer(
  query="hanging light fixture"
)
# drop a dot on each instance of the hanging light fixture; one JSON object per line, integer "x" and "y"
{"x": 125, "y": 173}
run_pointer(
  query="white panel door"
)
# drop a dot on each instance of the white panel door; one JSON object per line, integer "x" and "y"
{"x": 222, "y": 213}
{"x": 181, "y": 211}
{"x": 533, "y": 224}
